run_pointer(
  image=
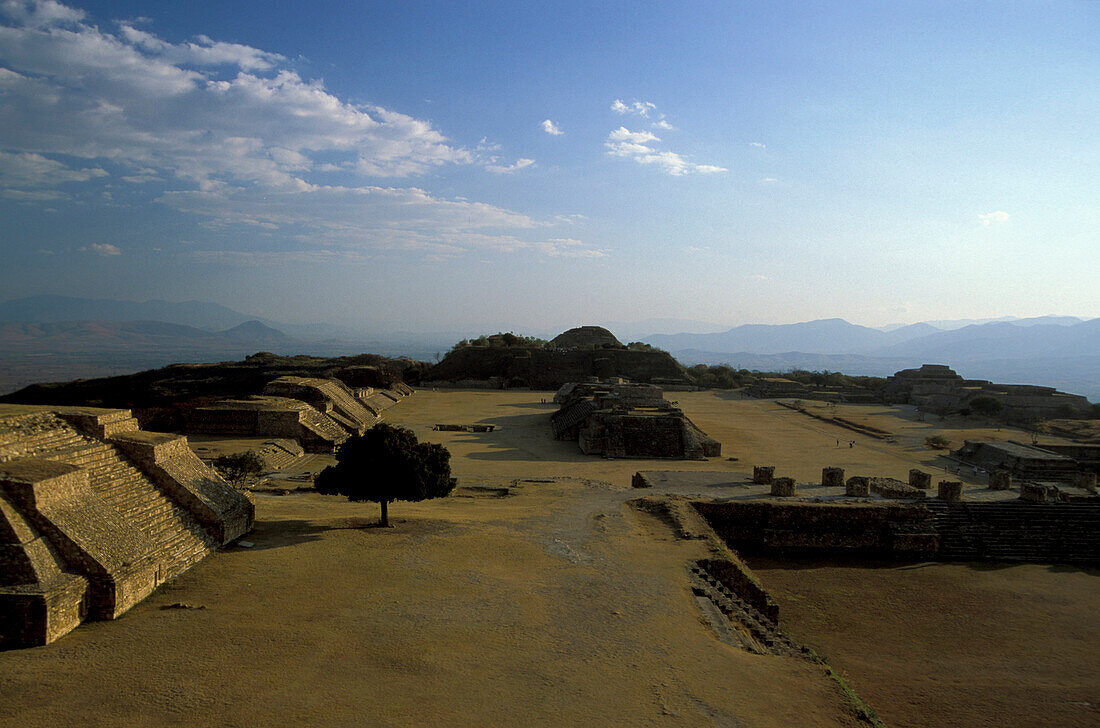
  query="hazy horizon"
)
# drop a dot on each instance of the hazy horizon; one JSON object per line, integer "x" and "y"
{"x": 443, "y": 167}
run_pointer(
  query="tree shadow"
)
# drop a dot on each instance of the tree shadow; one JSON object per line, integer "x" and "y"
{"x": 294, "y": 532}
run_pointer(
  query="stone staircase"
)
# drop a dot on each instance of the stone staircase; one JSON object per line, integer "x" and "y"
{"x": 757, "y": 633}
{"x": 1018, "y": 531}
{"x": 180, "y": 540}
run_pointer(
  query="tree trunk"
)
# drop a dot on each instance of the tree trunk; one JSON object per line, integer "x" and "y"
{"x": 384, "y": 521}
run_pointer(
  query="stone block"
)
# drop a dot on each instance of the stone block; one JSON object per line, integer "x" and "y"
{"x": 832, "y": 477}
{"x": 1000, "y": 480}
{"x": 763, "y": 474}
{"x": 1086, "y": 481}
{"x": 857, "y": 487}
{"x": 1038, "y": 493}
{"x": 920, "y": 479}
{"x": 639, "y": 481}
{"x": 950, "y": 491}
{"x": 784, "y": 487}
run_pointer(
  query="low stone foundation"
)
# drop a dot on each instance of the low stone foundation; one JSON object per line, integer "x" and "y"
{"x": 857, "y": 487}
{"x": 833, "y": 477}
{"x": 1038, "y": 493}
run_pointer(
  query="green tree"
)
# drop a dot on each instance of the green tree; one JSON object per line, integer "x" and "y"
{"x": 388, "y": 464}
{"x": 985, "y": 406}
{"x": 238, "y": 468}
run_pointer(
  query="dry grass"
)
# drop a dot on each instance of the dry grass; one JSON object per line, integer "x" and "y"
{"x": 559, "y": 605}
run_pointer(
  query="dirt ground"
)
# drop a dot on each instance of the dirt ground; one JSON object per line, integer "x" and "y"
{"x": 951, "y": 644}
{"x": 557, "y": 605}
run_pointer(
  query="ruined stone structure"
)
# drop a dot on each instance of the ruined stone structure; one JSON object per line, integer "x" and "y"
{"x": 920, "y": 479}
{"x": 1022, "y": 461}
{"x": 1016, "y": 530}
{"x": 784, "y": 487}
{"x": 949, "y": 491}
{"x": 573, "y": 356}
{"x": 935, "y": 387}
{"x": 318, "y": 413}
{"x": 95, "y": 514}
{"x": 627, "y": 420}
{"x": 1000, "y": 480}
{"x": 763, "y": 474}
{"x": 832, "y": 476}
{"x": 782, "y": 388}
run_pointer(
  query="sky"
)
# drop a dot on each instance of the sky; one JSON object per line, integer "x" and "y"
{"x": 531, "y": 167}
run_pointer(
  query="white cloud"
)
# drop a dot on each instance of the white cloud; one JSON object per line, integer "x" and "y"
{"x": 551, "y": 128}
{"x": 637, "y": 108}
{"x": 40, "y": 14}
{"x": 662, "y": 124}
{"x": 237, "y": 136}
{"x": 203, "y": 112}
{"x": 989, "y": 218}
{"x": 768, "y": 181}
{"x": 25, "y": 172}
{"x": 758, "y": 145}
{"x": 637, "y": 145}
{"x": 520, "y": 163}
{"x": 104, "y": 249}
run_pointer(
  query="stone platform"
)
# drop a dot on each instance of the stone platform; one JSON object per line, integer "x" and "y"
{"x": 95, "y": 514}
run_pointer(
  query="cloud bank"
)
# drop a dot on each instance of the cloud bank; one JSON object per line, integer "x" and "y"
{"x": 203, "y": 120}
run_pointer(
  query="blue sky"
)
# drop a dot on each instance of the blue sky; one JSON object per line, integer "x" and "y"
{"x": 494, "y": 166}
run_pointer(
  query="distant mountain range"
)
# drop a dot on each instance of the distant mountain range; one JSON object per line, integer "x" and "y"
{"x": 48, "y": 337}
{"x": 1057, "y": 351}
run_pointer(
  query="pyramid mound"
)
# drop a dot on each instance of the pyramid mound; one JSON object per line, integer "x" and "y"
{"x": 587, "y": 337}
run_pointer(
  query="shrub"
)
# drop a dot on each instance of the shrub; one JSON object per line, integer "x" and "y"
{"x": 937, "y": 442}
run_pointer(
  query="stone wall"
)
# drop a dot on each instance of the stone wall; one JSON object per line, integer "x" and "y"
{"x": 895, "y": 530}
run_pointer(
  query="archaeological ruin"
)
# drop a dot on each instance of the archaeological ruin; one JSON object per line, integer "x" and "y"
{"x": 1022, "y": 461}
{"x": 95, "y": 514}
{"x": 937, "y": 388}
{"x": 627, "y": 421}
{"x": 575, "y": 355}
{"x": 318, "y": 413}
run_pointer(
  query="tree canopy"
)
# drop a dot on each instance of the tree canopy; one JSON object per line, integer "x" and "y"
{"x": 385, "y": 464}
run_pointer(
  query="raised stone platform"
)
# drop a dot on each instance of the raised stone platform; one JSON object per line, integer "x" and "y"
{"x": 95, "y": 514}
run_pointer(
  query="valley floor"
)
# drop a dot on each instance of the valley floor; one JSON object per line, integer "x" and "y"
{"x": 557, "y": 605}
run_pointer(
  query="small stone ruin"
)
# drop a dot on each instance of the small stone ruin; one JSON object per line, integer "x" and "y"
{"x": 832, "y": 477}
{"x": 626, "y": 420}
{"x": 1000, "y": 480}
{"x": 950, "y": 491}
{"x": 857, "y": 487}
{"x": 763, "y": 474}
{"x": 784, "y": 487}
{"x": 1038, "y": 493}
{"x": 1085, "y": 481}
{"x": 920, "y": 479}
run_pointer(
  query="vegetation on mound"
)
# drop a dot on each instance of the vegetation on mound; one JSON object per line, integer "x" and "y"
{"x": 160, "y": 398}
{"x": 386, "y": 464}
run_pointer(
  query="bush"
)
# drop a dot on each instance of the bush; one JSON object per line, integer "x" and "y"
{"x": 240, "y": 467}
{"x": 937, "y": 442}
{"x": 986, "y": 406}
